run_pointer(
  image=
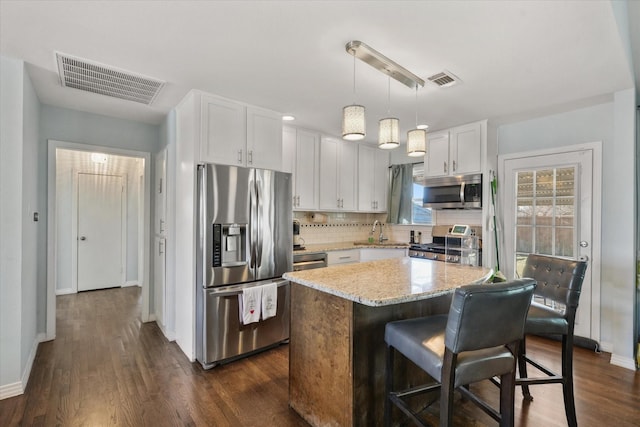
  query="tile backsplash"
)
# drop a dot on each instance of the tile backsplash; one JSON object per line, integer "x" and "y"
{"x": 333, "y": 227}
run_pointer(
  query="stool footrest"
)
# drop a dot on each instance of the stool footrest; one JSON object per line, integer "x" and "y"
{"x": 481, "y": 404}
{"x": 540, "y": 367}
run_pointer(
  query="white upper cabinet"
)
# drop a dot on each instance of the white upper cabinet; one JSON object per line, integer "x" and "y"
{"x": 466, "y": 149}
{"x": 264, "y": 139}
{"x": 437, "y": 158}
{"x": 338, "y": 164}
{"x": 373, "y": 178}
{"x": 239, "y": 135}
{"x": 224, "y": 131}
{"x": 301, "y": 151}
{"x": 456, "y": 151}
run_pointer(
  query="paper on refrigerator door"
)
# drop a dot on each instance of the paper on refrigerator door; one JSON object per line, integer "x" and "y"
{"x": 249, "y": 303}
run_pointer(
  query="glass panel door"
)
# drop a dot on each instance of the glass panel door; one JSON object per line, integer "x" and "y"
{"x": 545, "y": 213}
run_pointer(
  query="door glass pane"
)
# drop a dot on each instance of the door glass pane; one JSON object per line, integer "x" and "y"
{"x": 545, "y": 213}
{"x": 524, "y": 239}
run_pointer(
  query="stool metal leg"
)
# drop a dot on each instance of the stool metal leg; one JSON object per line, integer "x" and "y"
{"x": 522, "y": 368}
{"x": 446, "y": 392}
{"x": 388, "y": 386}
{"x": 567, "y": 379}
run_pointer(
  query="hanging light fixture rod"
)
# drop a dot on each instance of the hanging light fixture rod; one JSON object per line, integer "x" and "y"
{"x": 382, "y": 63}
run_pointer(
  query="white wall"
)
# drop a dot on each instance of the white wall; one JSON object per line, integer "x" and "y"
{"x": 68, "y": 163}
{"x": 607, "y": 123}
{"x": 19, "y": 195}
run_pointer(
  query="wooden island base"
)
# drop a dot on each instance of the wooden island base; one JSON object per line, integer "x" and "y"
{"x": 337, "y": 356}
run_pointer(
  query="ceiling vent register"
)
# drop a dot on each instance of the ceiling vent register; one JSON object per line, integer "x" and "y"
{"x": 102, "y": 79}
{"x": 444, "y": 79}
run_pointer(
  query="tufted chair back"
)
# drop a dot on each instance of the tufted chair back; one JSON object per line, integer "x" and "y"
{"x": 558, "y": 279}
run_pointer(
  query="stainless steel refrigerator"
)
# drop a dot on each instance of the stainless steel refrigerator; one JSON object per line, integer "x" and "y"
{"x": 245, "y": 239}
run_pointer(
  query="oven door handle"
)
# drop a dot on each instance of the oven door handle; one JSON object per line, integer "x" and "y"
{"x": 462, "y": 193}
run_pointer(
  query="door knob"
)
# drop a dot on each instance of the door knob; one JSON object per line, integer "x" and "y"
{"x": 83, "y": 238}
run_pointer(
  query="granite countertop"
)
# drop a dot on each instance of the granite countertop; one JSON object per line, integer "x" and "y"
{"x": 341, "y": 246}
{"x": 390, "y": 281}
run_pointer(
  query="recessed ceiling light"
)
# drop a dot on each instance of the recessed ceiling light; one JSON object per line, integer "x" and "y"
{"x": 288, "y": 118}
{"x": 422, "y": 126}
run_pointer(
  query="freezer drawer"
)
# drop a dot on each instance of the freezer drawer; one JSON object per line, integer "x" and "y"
{"x": 225, "y": 338}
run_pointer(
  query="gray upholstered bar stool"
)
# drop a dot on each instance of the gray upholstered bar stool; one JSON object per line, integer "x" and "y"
{"x": 477, "y": 340}
{"x": 559, "y": 281}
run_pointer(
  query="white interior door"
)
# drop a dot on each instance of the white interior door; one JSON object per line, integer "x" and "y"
{"x": 549, "y": 211}
{"x": 100, "y": 231}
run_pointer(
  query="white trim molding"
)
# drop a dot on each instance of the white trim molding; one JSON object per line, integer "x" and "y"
{"x": 624, "y": 362}
{"x": 18, "y": 388}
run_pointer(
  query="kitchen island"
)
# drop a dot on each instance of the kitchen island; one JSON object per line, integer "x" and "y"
{"x": 338, "y": 315}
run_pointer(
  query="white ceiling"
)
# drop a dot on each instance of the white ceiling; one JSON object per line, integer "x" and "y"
{"x": 516, "y": 59}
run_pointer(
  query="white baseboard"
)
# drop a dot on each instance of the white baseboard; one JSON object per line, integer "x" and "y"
{"x": 606, "y": 346}
{"x": 131, "y": 283}
{"x": 169, "y": 335}
{"x": 65, "y": 291}
{"x": 11, "y": 390}
{"x": 17, "y": 388}
{"x": 624, "y": 362}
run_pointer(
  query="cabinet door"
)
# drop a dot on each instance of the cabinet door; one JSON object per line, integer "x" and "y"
{"x": 466, "y": 149}
{"x": 437, "y": 157}
{"x": 224, "y": 136}
{"x": 329, "y": 197}
{"x": 380, "y": 180}
{"x": 366, "y": 167}
{"x": 264, "y": 139}
{"x": 347, "y": 174}
{"x": 307, "y": 159}
{"x": 289, "y": 151}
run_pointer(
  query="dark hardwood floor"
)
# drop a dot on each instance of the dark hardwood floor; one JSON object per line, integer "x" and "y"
{"x": 107, "y": 368}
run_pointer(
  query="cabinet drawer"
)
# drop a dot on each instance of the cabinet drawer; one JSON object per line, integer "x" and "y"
{"x": 343, "y": 257}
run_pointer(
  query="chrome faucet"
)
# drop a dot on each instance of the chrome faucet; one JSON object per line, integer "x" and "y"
{"x": 381, "y": 238}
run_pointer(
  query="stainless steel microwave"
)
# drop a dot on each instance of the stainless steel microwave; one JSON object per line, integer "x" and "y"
{"x": 453, "y": 192}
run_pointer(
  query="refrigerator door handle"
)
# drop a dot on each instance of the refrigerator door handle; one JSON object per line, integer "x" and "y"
{"x": 260, "y": 224}
{"x": 237, "y": 289}
{"x": 253, "y": 228}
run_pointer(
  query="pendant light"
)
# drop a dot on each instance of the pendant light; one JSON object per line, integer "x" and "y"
{"x": 416, "y": 138}
{"x": 353, "y": 122}
{"x": 388, "y": 129}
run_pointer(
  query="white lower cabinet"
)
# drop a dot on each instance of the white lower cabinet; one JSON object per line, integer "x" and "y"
{"x": 348, "y": 256}
{"x": 374, "y": 254}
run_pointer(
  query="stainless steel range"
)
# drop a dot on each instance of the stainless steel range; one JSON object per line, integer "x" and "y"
{"x": 449, "y": 248}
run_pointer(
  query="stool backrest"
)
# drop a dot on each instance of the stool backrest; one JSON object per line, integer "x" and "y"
{"x": 559, "y": 279}
{"x": 483, "y": 316}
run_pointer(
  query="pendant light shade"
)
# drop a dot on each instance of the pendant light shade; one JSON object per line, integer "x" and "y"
{"x": 388, "y": 133}
{"x": 353, "y": 122}
{"x": 416, "y": 138}
{"x": 416, "y": 142}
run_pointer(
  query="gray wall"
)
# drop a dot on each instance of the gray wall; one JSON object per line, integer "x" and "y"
{"x": 19, "y": 234}
{"x": 86, "y": 128}
{"x": 608, "y": 123}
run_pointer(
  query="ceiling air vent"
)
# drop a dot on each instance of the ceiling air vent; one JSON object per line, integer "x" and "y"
{"x": 444, "y": 79}
{"x": 105, "y": 80}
